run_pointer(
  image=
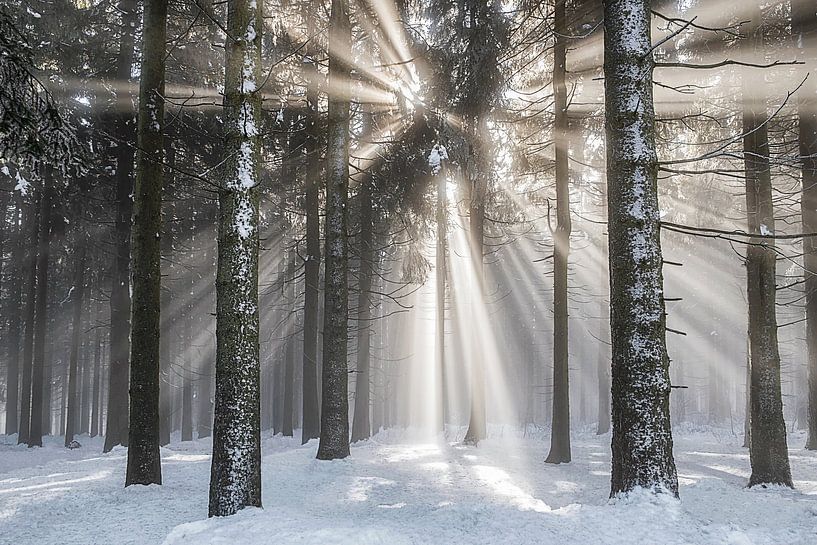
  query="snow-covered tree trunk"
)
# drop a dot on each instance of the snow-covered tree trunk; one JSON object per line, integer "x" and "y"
{"x": 235, "y": 478}
{"x": 560, "y": 434}
{"x": 144, "y": 462}
{"x": 768, "y": 451}
{"x": 642, "y": 438}
{"x": 335, "y": 407}
{"x": 116, "y": 428}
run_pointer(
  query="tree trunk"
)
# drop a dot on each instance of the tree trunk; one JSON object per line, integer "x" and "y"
{"x": 96, "y": 403}
{"x": 204, "y": 420}
{"x": 642, "y": 437}
{"x": 441, "y": 282}
{"x": 116, "y": 430}
{"x": 15, "y": 319}
{"x": 85, "y": 384}
{"x": 144, "y": 460}
{"x": 478, "y": 171}
{"x": 71, "y": 419}
{"x": 312, "y": 261}
{"x": 235, "y": 478}
{"x": 38, "y": 389}
{"x": 334, "y": 441}
{"x": 361, "y": 423}
{"x": 603, "y": 360}
{"x": 768, "y": 451}
{"x": 804, "y": 22}
{"x": 167, "y": 299}
{"x": 560, "y": 429}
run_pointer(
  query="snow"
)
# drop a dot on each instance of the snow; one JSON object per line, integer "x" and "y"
{"x": 437, "y": 155}
{"x": 392, "y": 490}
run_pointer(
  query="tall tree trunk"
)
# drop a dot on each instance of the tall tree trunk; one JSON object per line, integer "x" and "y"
{"x": 86, "y": 360}
{"x": 478, "y": 171}
{"x": 116, "y": 429}
{"x": 642, "y": 437}
{"x": 804, "y": 22}
{"x": 96, "y": 402}
{"x": 235, "y": 478}
{"x": 361, "y": 423}
{"x": 334, "y": 441}
{"x": 38, "y": 390}
{"x": 144, "y": 460}
{"x": 204, "y": 420}
{"x": 603, "y": 360}
{"x": 440, "y": 287}
{"x": 71, "y": 419}
{"x": 15, "y": 319}
{"x": 768, "y": 451}
{"x": 560, "y": 434}
{"x": 167, "y": 299}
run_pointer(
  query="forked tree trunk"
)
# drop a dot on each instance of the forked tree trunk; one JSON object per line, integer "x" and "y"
{"x": 642, "y": 438}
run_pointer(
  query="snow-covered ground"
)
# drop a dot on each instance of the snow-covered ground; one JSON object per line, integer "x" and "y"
{"x": 395, "y": 490}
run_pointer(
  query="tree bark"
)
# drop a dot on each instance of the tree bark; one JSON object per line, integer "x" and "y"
{"x": 334, "y": 441}
{"x": 235, "y": 478}
{"x": 642, "y": 437}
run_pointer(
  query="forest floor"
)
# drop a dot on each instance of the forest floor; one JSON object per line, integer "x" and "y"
{"x": 396, "y": 490}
